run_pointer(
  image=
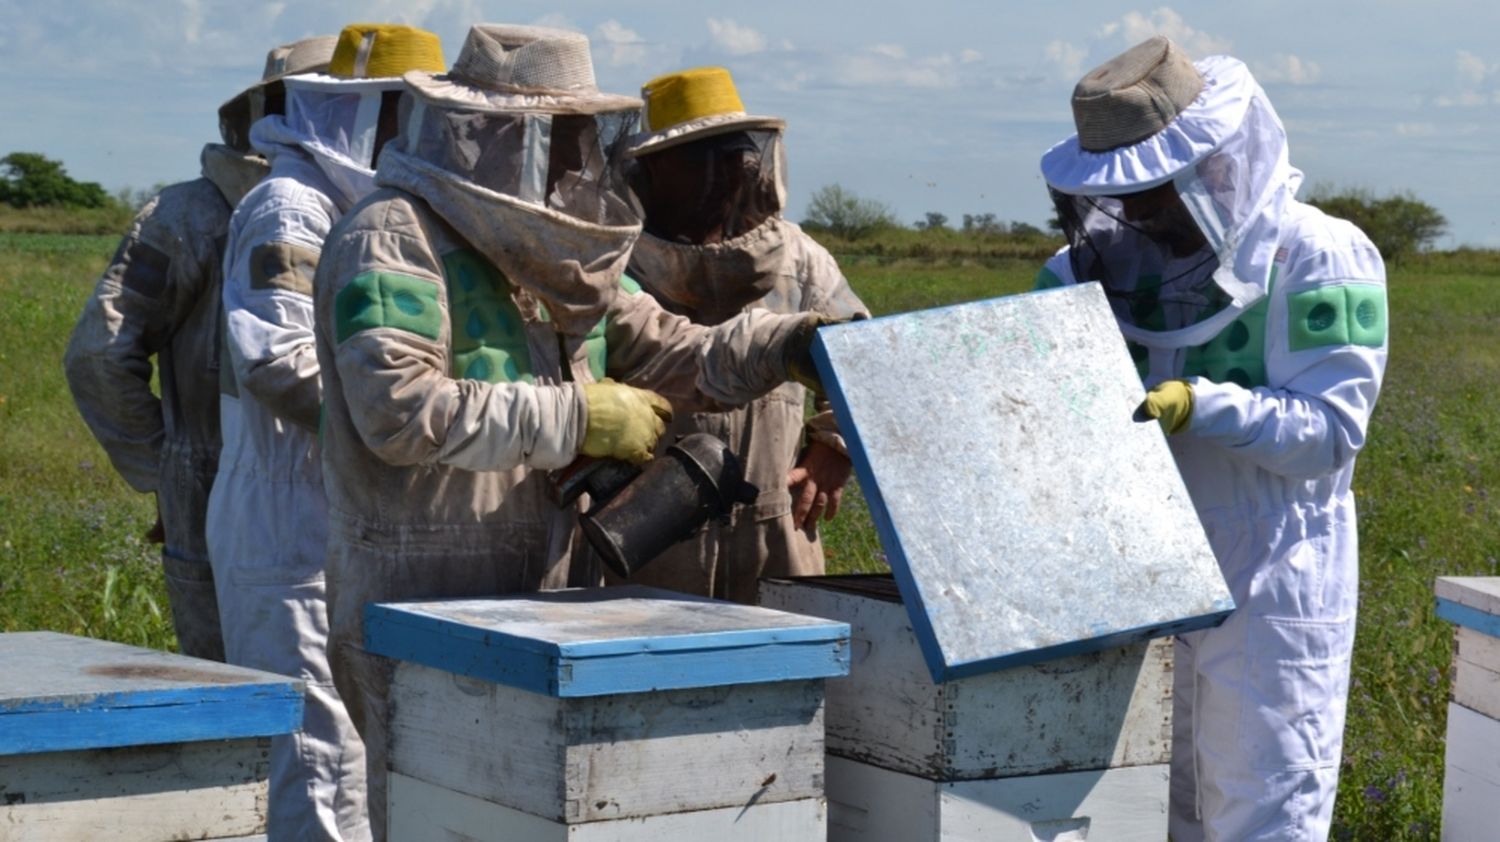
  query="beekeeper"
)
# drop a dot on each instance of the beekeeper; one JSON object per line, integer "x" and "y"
{"x": 159, "y": 297}
{"x": 476, "y": 329}
{"x": 267, "y": 517}
{"x": 1259, "y": 327}
{"x": 711, "y": 180}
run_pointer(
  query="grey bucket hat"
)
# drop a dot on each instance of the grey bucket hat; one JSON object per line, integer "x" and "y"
{"x": 1134, "y": 95}
{"x": 505, "y": 68}
{"x": 309, "y": 55}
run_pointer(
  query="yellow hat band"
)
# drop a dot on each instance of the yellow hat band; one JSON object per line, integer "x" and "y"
{"x": 383, "y": 50}
{"x": 678, "y": 98}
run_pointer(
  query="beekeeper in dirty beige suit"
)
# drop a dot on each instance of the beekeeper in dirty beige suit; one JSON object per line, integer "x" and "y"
{"x": 475, "y": 328}
{"x": 159, "y": 297}
{"x": 711, "y": 181}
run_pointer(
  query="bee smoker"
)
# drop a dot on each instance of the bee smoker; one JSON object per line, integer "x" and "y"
{"x": 639, "y": 512}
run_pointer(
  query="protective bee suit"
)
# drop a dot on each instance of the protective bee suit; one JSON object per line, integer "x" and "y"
{"x": 1275, "y": 317}
{"x": 267, "y": 517}
{"x": 159, "y": 297}
{"x": 757, "y": 261}
{"x": 466, "y": 312}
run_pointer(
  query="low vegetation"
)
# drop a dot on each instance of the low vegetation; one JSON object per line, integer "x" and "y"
{"x": 72, "y": 558}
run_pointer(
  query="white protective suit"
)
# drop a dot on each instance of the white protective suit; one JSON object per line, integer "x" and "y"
{"x": 267, "y": 519}
{"x": 159, "y": 297}
{"x": 1283, "y": 339}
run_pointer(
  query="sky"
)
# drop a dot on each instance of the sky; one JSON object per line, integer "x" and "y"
{"x": 935, "y": 105}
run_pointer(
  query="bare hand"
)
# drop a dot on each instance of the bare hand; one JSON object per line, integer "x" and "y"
{"x": 817, "y": 485}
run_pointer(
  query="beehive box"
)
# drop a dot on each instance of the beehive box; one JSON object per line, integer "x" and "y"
{"x": 1471, "y": 777}
{"x": 618, "y": 714}
{"x": 101, "y": 740}
{"x": 1011, "y": 682}
{"x": 1076, "y": 742}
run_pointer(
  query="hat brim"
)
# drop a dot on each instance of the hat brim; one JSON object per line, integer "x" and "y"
{"x": 1195, "y": 132}
{"x": 445, "y": 90}
{"x": 644, "y": 143}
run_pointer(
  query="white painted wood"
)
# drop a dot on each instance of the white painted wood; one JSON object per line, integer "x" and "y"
{"x": 1105, "y": 709}
{"x": 1473, "y": 743}
{"x": 609, "y": 757}
{"x": 201, "y": 790}
{"x": 1478, "y": 592}
{"x": 870, "y": 804}
{"x": 1476, "y": 687}
{"x": 1469, "y": 807}
{"x": 420, "y": 812}
{"x": 1477, "y": 648}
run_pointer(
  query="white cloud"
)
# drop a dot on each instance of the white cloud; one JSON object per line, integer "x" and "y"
{"x": 1416, "y": 129}
{"x": 1067, "y": 58}
{"x": 619, "y": 44}
{"x": 1135, "y": 27}
{"x": 735, "y": 39}
{"x": 968, "y": 56}
{"x": 1289, "y": 69}
{"x": 885, "y": 65}
{"x": 1472, "y": 69}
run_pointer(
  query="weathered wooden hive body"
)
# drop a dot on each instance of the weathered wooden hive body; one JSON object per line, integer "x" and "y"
{"x": 100, "y": 740}
{"x": 1011, "y": 682}
{"x": 1471, "y": 777}
{"x": 621, "y": 714}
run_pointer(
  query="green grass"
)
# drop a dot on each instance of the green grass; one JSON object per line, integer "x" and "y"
{"x": 71, "y": 557}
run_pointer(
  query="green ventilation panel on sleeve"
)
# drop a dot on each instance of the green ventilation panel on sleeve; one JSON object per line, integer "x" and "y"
{"x": 488, "y": 334}
{"x": 1046, "y": 279}
{"x": 386, "y": 299}
{"x": 1350, "y": 314}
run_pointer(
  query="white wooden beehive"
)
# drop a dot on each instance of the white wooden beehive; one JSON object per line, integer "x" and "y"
{"x": 1077, "y": 745}
{"x": 1471, "y": 775}
{"x": 101, "y": 740}
{"x": 621, "y": 714}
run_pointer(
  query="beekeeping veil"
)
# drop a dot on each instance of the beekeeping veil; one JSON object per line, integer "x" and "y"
{"x": 518, "y": 150}
{"x": 1150, "y": 117}
{"x": 711, "y": 181}
{"x": 343, "y": 117}
{"x": 268, "y": 96}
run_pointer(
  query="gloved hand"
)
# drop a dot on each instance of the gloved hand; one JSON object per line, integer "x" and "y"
{"x": 624, "y": 422}
{"x": 797, "y": 353}
{"x": 1170, "y": 403}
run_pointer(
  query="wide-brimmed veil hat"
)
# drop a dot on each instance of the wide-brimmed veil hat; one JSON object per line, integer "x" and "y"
{"x": 1146, "y": 115}
{"x": 690, "y": 105}
{"x": 309, "y": 55}
{"x": 507, "y": 68}
{"x": 1151, "y": 116}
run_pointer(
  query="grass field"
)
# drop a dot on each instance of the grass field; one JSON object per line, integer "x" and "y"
{"x": 71, "y": 558}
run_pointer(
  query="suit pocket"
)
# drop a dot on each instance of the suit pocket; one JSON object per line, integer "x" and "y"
{"x": 1297, "y": 681}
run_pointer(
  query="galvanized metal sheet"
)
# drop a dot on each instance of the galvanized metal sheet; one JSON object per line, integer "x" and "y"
{"x": 1025, "y": 515}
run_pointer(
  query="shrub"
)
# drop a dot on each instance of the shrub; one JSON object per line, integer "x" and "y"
{"x": 845, "y": 215}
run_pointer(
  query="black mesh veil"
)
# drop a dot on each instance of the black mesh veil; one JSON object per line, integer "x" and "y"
{"x": 711, "y": 189}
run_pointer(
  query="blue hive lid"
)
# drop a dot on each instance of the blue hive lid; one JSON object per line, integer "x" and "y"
{"x": 1024, "y": 514}
{"x": 62, "y": 693}
{"x": 604, "y": 641}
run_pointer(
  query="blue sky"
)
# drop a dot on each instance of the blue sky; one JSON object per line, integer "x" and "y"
{"x": 941, "y": 106}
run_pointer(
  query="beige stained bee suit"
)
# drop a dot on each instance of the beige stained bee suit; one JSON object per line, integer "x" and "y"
{"x": 159, "y": 297}
{"x": 456, "y": 323}
{"x": 726, "y": 560}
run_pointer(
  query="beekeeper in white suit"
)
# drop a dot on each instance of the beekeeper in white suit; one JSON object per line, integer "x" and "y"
{"x": 1259, "y": 327}
{"x": 267, "y": 516}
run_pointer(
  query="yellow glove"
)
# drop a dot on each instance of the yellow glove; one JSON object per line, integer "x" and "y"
{"x": 624, "y": 422}
{"x": 797, "y": 352}
{"x": 1170, "y": 403}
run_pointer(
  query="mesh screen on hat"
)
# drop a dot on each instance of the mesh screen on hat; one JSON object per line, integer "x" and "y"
{"x": 348, "y": 123}
{"x": 1231, "y": 202}
{"x": 711, "y": 189}
{"x": 571, "y": 163}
